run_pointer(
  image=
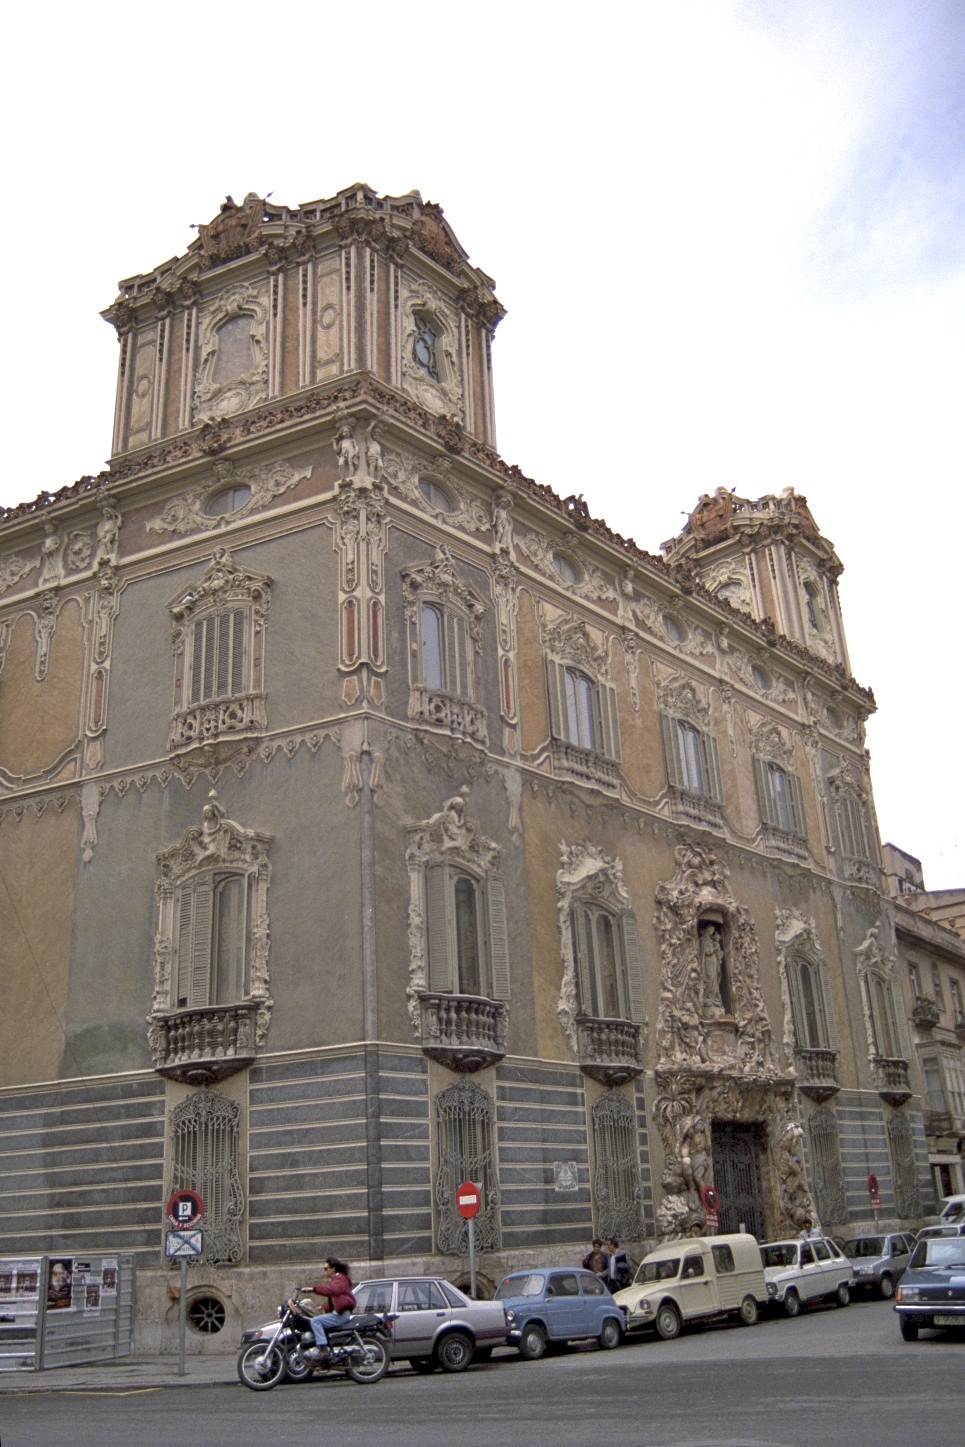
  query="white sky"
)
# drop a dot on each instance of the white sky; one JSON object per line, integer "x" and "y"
{"x": 729, "y": 235}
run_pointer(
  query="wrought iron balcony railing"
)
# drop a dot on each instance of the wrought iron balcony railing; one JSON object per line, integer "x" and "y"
{"x": 464, "y": 1032}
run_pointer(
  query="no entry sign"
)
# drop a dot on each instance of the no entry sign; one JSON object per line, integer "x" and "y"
{"x": 468, "y": 1199}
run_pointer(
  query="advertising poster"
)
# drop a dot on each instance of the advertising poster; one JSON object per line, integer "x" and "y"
{"x": 108, "y": 1277}
{"x": 60, "y": 1283}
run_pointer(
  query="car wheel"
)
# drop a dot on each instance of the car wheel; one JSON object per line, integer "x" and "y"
{"x": 610, "y": 1334}
{"x": 532, "y": 1343}
{"x": 886, "y": 1288}
{"x": 908, "y": 1329}
{"x": 668, "y": 1321}
{"x": 843, "y": 1295}
{"x": 425, "y": 1366}
{"x": 454, "y": 1352}
{"x": 748, "y": 1311}
{"x": 792, "y": 1303}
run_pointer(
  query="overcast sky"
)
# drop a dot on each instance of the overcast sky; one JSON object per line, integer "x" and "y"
{"x": 729, "y": 235}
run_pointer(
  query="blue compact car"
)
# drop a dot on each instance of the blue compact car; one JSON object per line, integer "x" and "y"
{"x": 558, "y": 1304}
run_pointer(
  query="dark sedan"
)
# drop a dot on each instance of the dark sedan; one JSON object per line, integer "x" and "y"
{"x": 932, "y": 1291}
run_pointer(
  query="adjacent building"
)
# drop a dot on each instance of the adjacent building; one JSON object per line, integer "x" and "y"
{"x": 374, "y": 819}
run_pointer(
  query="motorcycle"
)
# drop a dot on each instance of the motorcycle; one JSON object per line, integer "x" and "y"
{"x": 271, "y": 1353}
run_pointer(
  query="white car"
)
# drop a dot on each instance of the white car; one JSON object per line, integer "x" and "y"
{"x": 799, "y": 1272}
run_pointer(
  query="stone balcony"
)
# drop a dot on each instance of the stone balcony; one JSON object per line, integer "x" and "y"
{"x": 210, "y": 730}
{"x": 584, "y": 766}
{"x": 939, "y": 1122}
{"x": 925, "y": 1012}
{"x": 784, "y": 843}
{"x": 817, "y": 1072}
{"x": 609, "y": 1050}
{"x": 464, "y": 1032}
{"x": 697, "y": 809}
{"x": 201, "y": 1046}
{"x": 891, "y": 1079}
{"x": 444, "y": 711}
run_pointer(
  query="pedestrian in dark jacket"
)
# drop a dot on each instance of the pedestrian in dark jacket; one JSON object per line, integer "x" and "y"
{"x": 597, "y": 1260}
{"x": 621, "y": 1266}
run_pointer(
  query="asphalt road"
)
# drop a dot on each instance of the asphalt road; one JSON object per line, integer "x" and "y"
{"x": 829, "y": 1377}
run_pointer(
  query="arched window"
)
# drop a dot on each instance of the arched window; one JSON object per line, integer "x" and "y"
{"x": 810, "y": 1013}
{"x": 466, "y": 1146}
{"x": 616, "y": 1176}
{"x": 204, "y": 1130}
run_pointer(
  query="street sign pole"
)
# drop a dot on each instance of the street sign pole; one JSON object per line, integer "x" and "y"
{"x": 182, "y": 1312}
{"x": 468, "y": 1201}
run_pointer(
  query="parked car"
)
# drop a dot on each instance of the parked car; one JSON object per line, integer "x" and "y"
{"x": 879, "y": 1262}
{"x": 800, "y": 1272}
{"x": 950, "y": 1228}
{"x": 436, "y": 1325}
{"x": 953, "y": 1207}
{"x": 932, "y": 1291}
{"x": 558, "y": 1304}
{"x": 695, "y": 1279}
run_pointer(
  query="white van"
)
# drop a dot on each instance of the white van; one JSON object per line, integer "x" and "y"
{"x": 952, "y": 1208}
{"x": 691, "y": 1280}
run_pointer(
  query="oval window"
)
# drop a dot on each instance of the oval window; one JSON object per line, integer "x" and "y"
{"x": 435, "y": 495}
{"x": 228, "y": 500}
{"x": 566, "y": 568}
{"x": 760, "y": 678}
{"x": 672, "y": 628}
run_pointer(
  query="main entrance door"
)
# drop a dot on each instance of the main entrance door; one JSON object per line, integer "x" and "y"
{"x": 737, "y": 1149}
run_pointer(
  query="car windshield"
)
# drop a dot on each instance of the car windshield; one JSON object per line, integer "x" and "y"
{"x": 941, "y": 1252}
{"x": 784, "y": 1254}
{"x": 665, "y": 1270}
{"x": 530, "y": 1285}
{"x": 865, "y": 1246}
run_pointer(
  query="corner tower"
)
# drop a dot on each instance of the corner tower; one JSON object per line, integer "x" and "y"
{"x": 270, "y": 302}
{"x": 767, "y": 558}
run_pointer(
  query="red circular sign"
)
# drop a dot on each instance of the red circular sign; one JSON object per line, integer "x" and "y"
{"x": 184, "y": 1208}
{"x": 873, "y": 1187}
{"x": 709, "y": 1197}
{"x": 468, "y": 1199}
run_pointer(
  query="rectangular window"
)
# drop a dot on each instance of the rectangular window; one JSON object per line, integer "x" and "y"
{"x": 854, "y": 840}
{"x": 445, "y": 651}
{"x": 780, "y": 798}
{"x": 217, "y": 665}
{"x": 583, "y": 710}
{"x": 693, "y": 763}
{"x": 466, "y": 939}
{"x": 211, "y": 947}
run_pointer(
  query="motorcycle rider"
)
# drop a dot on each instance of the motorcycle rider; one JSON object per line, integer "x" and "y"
{"x": 337, "y": 1287}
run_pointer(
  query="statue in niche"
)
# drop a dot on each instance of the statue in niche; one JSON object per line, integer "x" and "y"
{"x": 373, "y": 454}
{"x": 695, "y": 1154}
{"x": 502, "y": 525}
{"x": 51, "y": 557}
{"x": 711, "y": 971}
{"x": 108, "y": 530}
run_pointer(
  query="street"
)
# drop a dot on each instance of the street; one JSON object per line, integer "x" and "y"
{"x": 828, "y": 1377}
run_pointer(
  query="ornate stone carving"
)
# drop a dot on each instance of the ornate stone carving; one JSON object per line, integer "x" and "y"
{"x": 703, "y": 931}
{"x": 51, "y": 557}
{"x": 768, "y": 741}
{"x": 108, "y": 534}
{"x": 679, "y": 695}
{"x": 233, "y": 368}
{"x": 440, "y": 394}
{"x": 13, "y": 567}
{"x": 796, "y": 1202}
{"x": 186, "y": 513}
{"x": 404, "y": 472}
{"x": 590, "y": 583}
{"x": 233, "y": 232}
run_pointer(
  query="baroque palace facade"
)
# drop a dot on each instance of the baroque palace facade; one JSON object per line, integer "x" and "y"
{"x": 372, "y": 818}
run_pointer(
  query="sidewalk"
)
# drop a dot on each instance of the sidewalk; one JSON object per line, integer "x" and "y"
{"x": 125, "y": 1374}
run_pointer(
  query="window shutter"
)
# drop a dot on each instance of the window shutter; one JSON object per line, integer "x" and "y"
{"x": 556, "y": 691}
{"x": 762, "y": 779}
{"x": 608, "y": 716}
{"x": 209, "y": 674}
{"x": 197, "y": 661}
{"x": 239, "y": 683}
{"x": 671, "y": 748}
{"x": 200, "y": 984}
{"x": 222, "y": 684}
{"x": 437, "y": 927}
{"x": 711, "y": 760}
{"x": 582, "y": 963}
{"x": 182, "y": 983}
{"x": 498, "y": 940}
{"x": 455, "y": 666}
{"x": 228, "y": 973}
{"x": 634, "y": 968}
{"x": 796, "y": 801}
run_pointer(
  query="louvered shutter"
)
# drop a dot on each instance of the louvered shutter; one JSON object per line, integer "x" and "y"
{"x": 437, "y": 886}
{"x": 796, "y": 801}
{"x": 582, "y": 959}
{"x": 711, "y": 762}
{"x": 608, "y": 716}
{"x": 498, "y": 940}
{"x": 634, "y": 968}
{"x": 239, "y": 683}
{"x": 671, "y": 748}
{"x": 556, "y": 692}
{"x": 762, "y": 779}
